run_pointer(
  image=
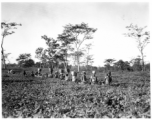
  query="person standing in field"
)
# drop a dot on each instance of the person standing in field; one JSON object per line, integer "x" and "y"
{"x": 93, "y": 78}
{"x": 66, "y": 76}
{"x": 108, "y": 78}
{"x": 51, "y": 70}
{"x": 32, "y": 74}
{"x": 24, "y": 73}
{"x": 74, "y": 75}
{"x": 61, "y": 73}
{"x": 83, "y": 77}
{"x": 50, "y": 75}
{"x": 39, "y": 70}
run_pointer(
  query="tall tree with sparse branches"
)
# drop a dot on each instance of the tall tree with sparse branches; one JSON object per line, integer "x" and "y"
{"x": 142, "y": 38}
{"x": 80, "y": 32}
{"x": 66, "y": 41}
{"x": 7, "y": 29}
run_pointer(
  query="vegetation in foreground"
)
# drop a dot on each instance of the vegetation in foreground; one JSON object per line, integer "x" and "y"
{"x": 127, "y": 97}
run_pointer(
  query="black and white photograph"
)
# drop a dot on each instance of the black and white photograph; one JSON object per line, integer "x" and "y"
{"x": 75, "y": 59}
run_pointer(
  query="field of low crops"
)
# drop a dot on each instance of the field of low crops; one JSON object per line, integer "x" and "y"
{"x": 127, "y": 97}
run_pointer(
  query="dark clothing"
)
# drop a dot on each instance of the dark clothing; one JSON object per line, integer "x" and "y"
{"x": 32, "y": 74}
{"x": 51, "y": 70}
{"x": 24, "y": 73}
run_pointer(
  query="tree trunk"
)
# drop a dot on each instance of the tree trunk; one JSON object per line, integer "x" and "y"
{"x": 40, "y": 64}
{"x": 66, "y": 63}
{"x": 143, "y": 65}
{"x": 3, "y": 60}
{"x": 78, "y": 67}
{"x": 3, "y": 57}
{"x": 78, "y": 63}
{"x": 142, "y": 57}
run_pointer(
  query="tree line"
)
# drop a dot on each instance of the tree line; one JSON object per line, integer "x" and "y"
{"x": 68, "y": 46}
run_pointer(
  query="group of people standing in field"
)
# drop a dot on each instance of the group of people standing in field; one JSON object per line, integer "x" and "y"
{"x": 92, "y": 78}
{"x": 67, "y": 75}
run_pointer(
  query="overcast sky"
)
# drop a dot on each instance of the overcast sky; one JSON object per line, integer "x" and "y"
{"x": 110, "y": 19}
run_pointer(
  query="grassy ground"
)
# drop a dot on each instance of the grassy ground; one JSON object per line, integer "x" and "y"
{"x": 127, "y": 97}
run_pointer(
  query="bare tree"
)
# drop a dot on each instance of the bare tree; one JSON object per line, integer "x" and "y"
{"x": 142, "y": 38}
{"x": 7, "y": 30}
